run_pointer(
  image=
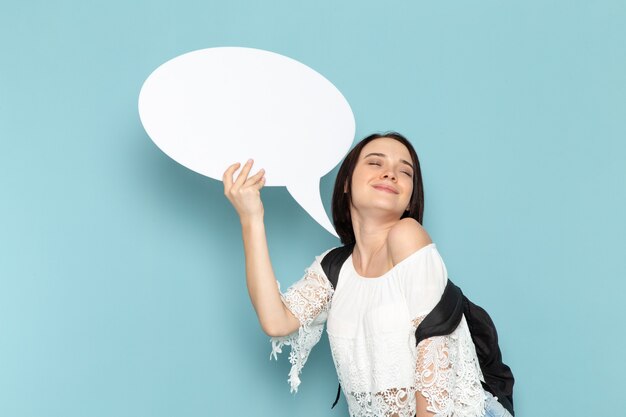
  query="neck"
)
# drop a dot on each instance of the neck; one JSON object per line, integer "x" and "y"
{"x": 370, "y": 234}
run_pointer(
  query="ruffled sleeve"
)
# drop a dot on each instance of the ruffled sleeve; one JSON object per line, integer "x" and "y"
{"x": 447, "y": 372}
{"x": 308, "y": 299}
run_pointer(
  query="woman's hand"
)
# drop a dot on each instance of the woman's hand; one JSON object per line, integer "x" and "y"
{"x": 244, "y": 193}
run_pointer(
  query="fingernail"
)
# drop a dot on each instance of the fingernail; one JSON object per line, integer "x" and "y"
{"x": 250, "y": 160}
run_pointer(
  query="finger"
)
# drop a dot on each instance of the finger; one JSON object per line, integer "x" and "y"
{"x": 228, "y": 174}
{"x": 255, "y": 178}
{"x": 243, "y": 175}
{"x": 260, "y": 183}
{"x": 227, "y": 178}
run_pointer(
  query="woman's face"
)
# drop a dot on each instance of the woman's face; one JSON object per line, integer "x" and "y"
{"x": 383, "y": 177}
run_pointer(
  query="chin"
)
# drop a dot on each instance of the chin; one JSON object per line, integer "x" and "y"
{"x": 374, "y": 203}
{"x": 386, "y": 209}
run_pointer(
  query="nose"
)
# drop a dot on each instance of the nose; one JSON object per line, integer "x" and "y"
{"x": 390, "y": 175}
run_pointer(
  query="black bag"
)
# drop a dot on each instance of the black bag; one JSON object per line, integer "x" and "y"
{"x": 442, "y": 320}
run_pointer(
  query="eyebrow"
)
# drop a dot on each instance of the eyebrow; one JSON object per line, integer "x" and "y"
{"x": 384, "y": 156}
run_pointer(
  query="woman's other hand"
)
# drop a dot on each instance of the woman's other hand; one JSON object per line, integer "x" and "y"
{"x": 244, "y": 192}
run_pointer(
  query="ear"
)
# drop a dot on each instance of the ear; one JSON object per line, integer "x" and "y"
{"x": 345, "y": 187}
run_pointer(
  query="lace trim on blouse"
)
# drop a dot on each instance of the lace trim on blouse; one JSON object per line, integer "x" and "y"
{"x": 308, "y": 299}
{"x": 448, "y": 374}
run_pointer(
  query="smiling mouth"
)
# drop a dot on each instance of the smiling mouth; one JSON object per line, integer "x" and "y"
{"x": 385, "y": 189}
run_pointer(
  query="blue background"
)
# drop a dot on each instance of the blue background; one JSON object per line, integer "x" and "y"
{"x": 122, "y": 287}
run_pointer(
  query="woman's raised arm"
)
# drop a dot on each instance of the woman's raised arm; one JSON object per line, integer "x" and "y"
{"x": 244, "y": 194}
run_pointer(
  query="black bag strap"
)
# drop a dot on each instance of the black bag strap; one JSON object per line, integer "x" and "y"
{"x": 498, "y": 376}
{"x": 334, "y": 260}
{"x": 336, "y": 398}
{"x": 444, "y": 317}
{"x": 331, "y": 264}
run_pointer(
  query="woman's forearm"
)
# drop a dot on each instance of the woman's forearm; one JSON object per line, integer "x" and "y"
{"x": 274, "y": 317}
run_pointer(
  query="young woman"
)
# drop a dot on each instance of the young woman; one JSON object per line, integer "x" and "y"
{"x": 393, "y": 278}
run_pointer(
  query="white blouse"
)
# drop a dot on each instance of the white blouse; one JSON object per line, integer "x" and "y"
{"x": 371, "y": 326}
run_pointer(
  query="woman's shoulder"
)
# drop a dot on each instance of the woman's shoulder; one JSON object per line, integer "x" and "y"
{"x": 405, "y": 238}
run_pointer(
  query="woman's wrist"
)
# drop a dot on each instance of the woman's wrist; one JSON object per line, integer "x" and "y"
{"x": 251, "y": 220}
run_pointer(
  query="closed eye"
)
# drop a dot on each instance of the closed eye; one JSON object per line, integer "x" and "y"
{"x": 409, "y": 174}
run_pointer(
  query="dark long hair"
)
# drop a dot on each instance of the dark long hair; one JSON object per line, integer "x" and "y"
{"x": 341, "y": 200}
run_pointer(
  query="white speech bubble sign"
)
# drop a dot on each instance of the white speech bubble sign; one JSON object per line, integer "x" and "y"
{"x": 209, "y": 108}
